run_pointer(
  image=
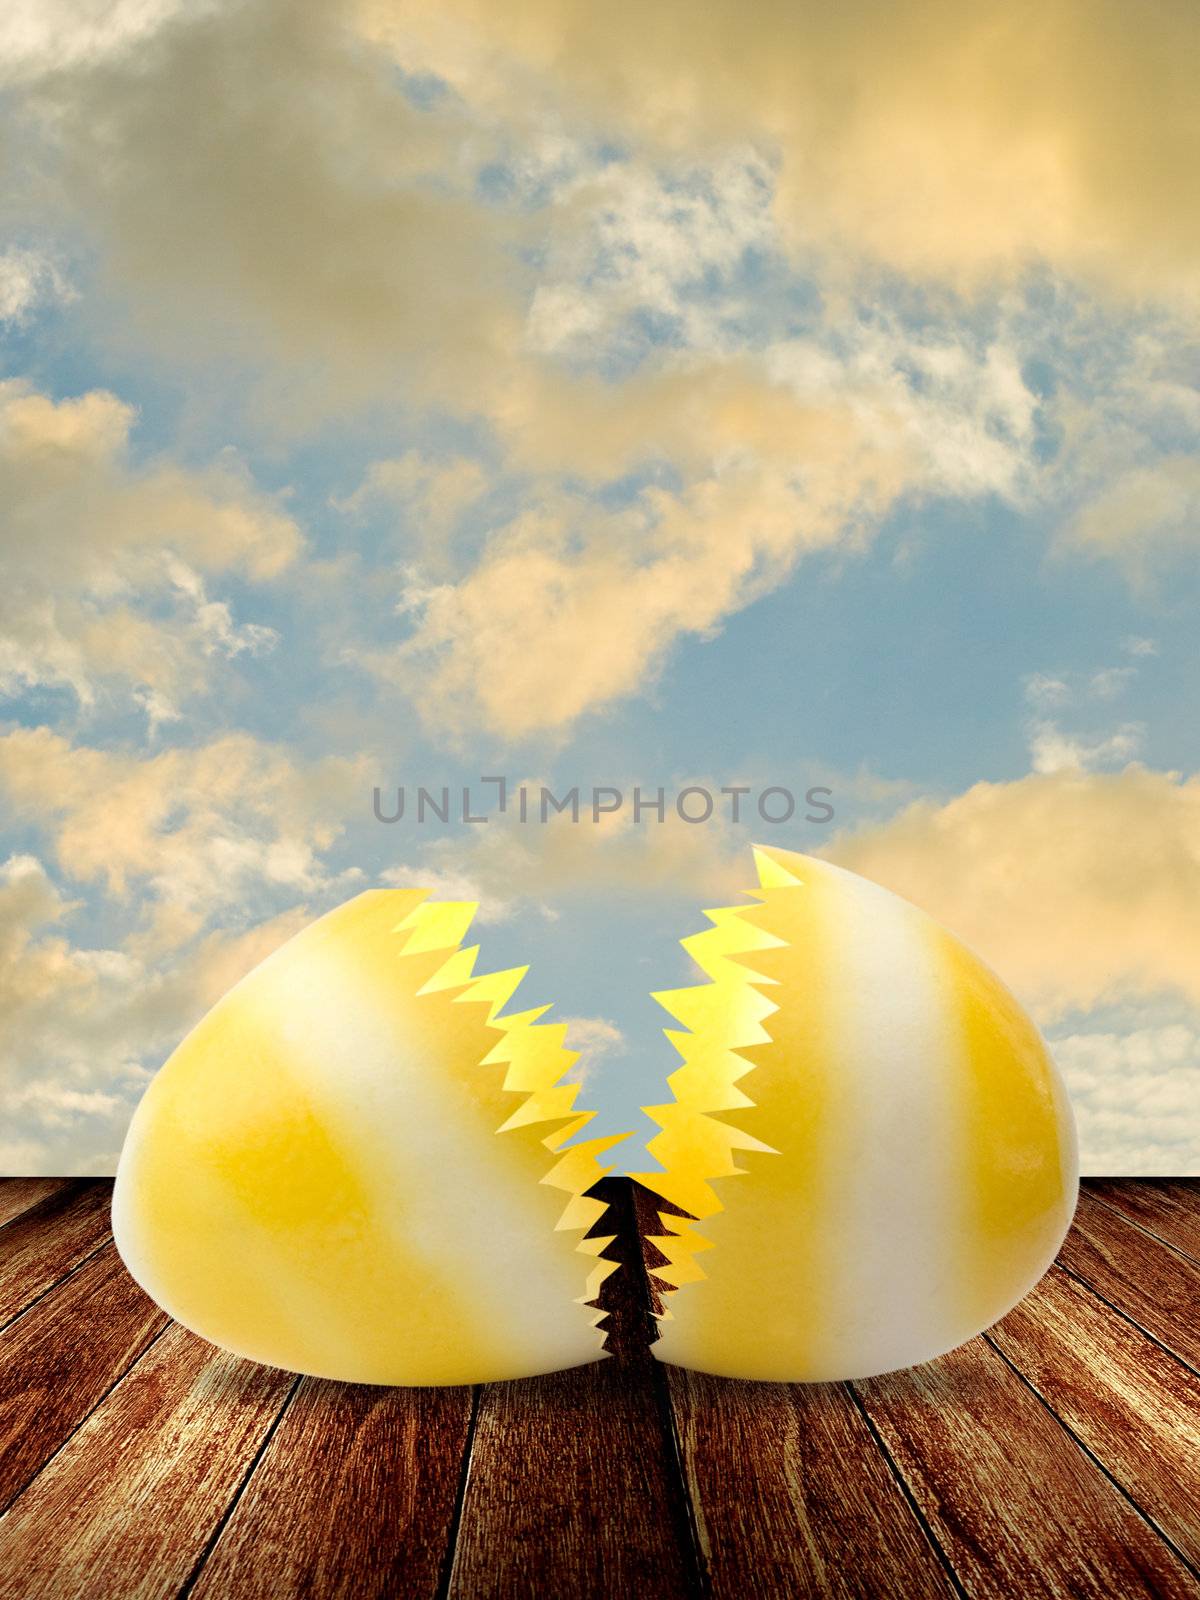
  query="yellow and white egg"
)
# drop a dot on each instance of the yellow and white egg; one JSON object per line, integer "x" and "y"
{"x": 353, "y": 1168}
{"x": 359, "y": 1165}
{"x": 875, "y": 1141}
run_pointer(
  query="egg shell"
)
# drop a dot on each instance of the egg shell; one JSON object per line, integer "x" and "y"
{"x": 352, "y": 1166}
{"x": 869, "y": 1128}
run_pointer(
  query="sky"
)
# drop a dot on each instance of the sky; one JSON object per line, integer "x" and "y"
{"x": 778, "y": 397}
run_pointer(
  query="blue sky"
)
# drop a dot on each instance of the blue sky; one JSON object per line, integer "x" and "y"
{"x": 438, "y": 404}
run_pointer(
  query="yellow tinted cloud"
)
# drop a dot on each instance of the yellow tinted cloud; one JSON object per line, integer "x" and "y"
{"x": 609, "y": 592}
{"x": 197, "y": 830}
{"x": 508, "y": 866}
{"x": 80, "y": 1024}
{"x": 1079, "y": 889}
{"x": 89, "y": 534}
{"x": 942, "y": 140}
{"x": 257, "y": 179}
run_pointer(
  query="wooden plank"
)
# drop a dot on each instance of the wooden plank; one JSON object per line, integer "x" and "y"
{"x": 368, "y": 1477}
{"x": 1011, "y": 1498}
{"x": 61, "y": 1358}
{"x": 573, "y": 1490}
{"x": 793, "y": 1496}
{"x": 1167, "y": 1207}
{"x": 18, "y": 1194}
{"x": 44, "y": 1243}
{"x": 1141, "y": 1276}
{"x": 128, "y": 1506}
{"x": 1134, "y": 1406}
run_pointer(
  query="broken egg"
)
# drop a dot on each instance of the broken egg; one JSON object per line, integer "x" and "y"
{"x": 360, "y": 1165}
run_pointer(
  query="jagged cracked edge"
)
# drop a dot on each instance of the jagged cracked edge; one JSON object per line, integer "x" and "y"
{"x": 535, "y": 1058}
{"x": 724, "y": 1021}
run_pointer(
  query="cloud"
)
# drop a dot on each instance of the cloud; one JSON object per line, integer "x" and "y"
{"x": 94, "y": 541}
{"x": 37, "y": 36}
{"x": 186, "y": 835}
{"x": 597, "y": 1040}
{"x": 82, "y": 1027}
{"x": 431, "y": 496}
{"x": 599, "y": 277}
{"x": 761, "y": 477}
{"x": 635, "y": 252}
{"x": 262, "y": 189}
{"x": 953, "y": 146}
{"x": 1079, "y": 888}
{"x": 28, "y": 279}
{"x": 193, "y": 864}
{"x": 769, "y": 465}
{"x": 570, "y": 610}
{"x": 511, "y": 867}
{"x": 1046, "y": 691}
{"x": 1052, "y": 750}
{"x": 1136, "y": 1095}
{"x": 1146, "y": 507}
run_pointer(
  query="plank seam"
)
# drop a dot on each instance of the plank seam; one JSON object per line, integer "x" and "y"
{"x": 1128, "y": 1317}
{"x": 33, "y": 1204}
{"x": 681, "y": 1507}
{"x": 450, "y": 1555}
{"x": 87, "y": 1416}
{"x": 906, "y": 1490}
{"x": 1091, "y": 1456}
{"x": 211, "y": 1542}
{"x": 57, "y": 1284}
{"x": 683, "y": 1513}
{"x": 1132, "y": 1222}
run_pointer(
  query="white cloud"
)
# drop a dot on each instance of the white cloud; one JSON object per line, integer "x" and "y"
{"x": 215, "y": 629}
{"x": 962, "y": 410}
{"x": 597, "y": 1040}
{"x": 446, "y": 882}
{"x": 1045, "y": 691}
{"x": 511, "y": 867}
{"x": 28, "y": 279}
{"x": 632, "y": 241}
{"x": 1109, "y": 682}
{"x": 1052, "y": 750}
{"x": 37, "y": 36}
{"x": 1136, "y": 1096}
{"x": 429, "y": 497}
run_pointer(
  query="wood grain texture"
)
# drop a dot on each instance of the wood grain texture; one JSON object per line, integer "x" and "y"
{"x": 62, "y": 1357}
{"x": 1135, "y": 1406}
{"x": 793, "y": 1496}
{"x": 146, "y": 1463}
{"x": 42, "y": 1244}
{"x": 127, "y": 1507}
{"x": 370, "y": 1475}
{"x": 1017, "y": 1506}
{"x": 1167, "y": 1207}
{"x": 1148, "y": 1280}
{"x": 573, "y": 1491}
{"x": 18, "y": 1194}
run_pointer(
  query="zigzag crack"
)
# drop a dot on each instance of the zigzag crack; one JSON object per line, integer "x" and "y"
{"x": 723, "y": 1029}
{"x": 535, "y": 1057}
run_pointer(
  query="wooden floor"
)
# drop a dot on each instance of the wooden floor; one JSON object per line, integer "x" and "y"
{"x": 1057, "y": 1455}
